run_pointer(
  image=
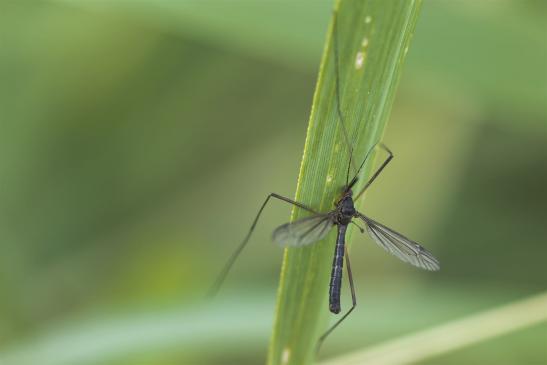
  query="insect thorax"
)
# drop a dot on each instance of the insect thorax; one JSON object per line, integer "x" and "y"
{"x": 346, "y": 210}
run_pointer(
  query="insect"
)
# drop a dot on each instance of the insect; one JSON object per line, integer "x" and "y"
{"x": 311, "y": 229}
{"x": 315, "y": 227}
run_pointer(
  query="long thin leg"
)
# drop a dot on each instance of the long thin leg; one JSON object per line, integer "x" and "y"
{"x": 377, "y": 173}
{"x": 220, "y": 279}
{"x": 353, "y": 300}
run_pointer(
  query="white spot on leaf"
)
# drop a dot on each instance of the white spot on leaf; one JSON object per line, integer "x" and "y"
{"x": 364, "y": 43}
{"x": 329, "y": 179}
{"x": 359, "y": 60}
{"x": 285, "y": 356}
{"x": 368, "y": 19}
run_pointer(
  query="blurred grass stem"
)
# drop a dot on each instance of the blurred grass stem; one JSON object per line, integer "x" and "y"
{"x": 453, "y": 335}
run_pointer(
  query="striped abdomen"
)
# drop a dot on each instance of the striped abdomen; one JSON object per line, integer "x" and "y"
{"x": 336, "y": 274}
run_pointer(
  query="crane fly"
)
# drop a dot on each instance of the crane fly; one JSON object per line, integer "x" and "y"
{"x": 313, "y": 228}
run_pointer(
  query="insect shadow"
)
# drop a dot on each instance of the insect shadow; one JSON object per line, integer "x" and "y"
{"x": 313, "y": 228}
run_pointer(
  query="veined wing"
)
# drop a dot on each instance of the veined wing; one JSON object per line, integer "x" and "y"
{"x": 400, "y": 246}
{"x": 303, "y": 231}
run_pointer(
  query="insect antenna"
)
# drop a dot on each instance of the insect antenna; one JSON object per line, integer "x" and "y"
{"x": 338, "y": 98}
{"x": 351, "y": 144}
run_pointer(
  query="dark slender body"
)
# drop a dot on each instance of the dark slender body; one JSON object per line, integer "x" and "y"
{"x": 336, "y": 274}
{"x": 344, "y": 213}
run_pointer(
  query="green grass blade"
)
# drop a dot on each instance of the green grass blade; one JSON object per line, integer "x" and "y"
{"x": 373, "y": 39}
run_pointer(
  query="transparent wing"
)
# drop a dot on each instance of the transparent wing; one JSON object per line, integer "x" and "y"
{"x": 400, "y": 246}
{"x": 303, "y": 231}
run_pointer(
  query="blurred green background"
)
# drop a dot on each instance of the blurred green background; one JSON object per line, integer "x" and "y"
{"x": 138, "y": 138}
